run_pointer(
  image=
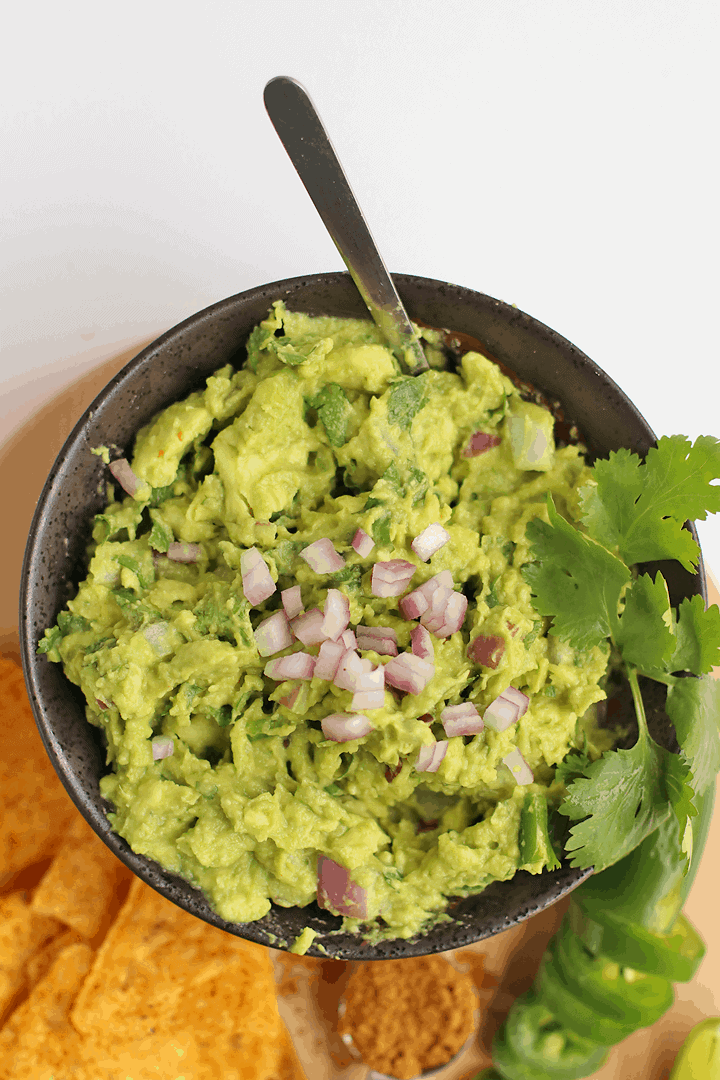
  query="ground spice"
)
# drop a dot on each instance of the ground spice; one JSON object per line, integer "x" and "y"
{"x": 406, "y": 1016}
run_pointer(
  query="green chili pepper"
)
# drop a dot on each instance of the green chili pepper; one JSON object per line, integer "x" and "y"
{"x": 613, "y": 992}
{"x": 534, "y": 837}
{"x": 675, "y": 955}
{"x": 534, "y": 1045}
{"x": 699, "y": 1057}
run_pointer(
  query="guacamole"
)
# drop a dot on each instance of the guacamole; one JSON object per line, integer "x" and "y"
{"x": 307, "y": 639}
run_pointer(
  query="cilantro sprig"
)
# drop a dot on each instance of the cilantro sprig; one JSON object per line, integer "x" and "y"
{"x": 634, "y": 511}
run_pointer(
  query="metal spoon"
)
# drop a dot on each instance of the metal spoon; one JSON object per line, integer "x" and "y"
{"x": 301, "y": 132}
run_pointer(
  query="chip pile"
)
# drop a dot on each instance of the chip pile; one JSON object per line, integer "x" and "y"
{"x": 101, "y": 978}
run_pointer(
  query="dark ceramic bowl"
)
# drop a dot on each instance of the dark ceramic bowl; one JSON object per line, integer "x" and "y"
{"x": 169, "y": 369}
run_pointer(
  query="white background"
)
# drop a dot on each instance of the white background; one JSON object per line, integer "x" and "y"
{"x": 560, "y": 155}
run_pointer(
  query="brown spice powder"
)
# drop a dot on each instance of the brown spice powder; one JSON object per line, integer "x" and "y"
{"x": 406, "y": 1016}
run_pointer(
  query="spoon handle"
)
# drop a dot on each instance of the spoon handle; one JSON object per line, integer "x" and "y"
{"x": 301, "y": 132}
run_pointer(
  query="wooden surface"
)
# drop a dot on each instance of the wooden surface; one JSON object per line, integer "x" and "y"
{"x": 25, "y": 461}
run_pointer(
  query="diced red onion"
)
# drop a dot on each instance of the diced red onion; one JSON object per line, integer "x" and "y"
{"x": 461, "y": 719}
{"x": 429, "y": 541}
{"x": 348, "y": 639}
{"x": 326, "y": 665}
{"x": 273, "y": 634}
{"x": 391, "y": 578}
{"x": 322, "y": 557}
{"x": 336, "y": 890}
{"x": 336, "y": 614}
{"x": 289, "y": 700}
{"x": 350, "y": 668}
{"x": 297, "y": 665}
{"x": 430, "y": 758}
{"x": 363, "y": 543}
{"x": 345, "y": 727}
{"x": 418, "y": 601}
{"x": 367, "y": 699}
{"x": 506, "y": 709}
{"x": 124, "y": 475}
{"x": 409, "y": 672}
{"x": 434, "y": 617}
{"x": 453, "y": 615}
{"x": 487, "y": 650}
{"x": 518, "y": 766}
{"x": 382, "y": 639}
{"x": 292, "y": 602}
{"x": 479, "y": 443}
{"x": 183, "y": 553}
{"x": 257, "y": 581}
{"x": 162, "y": 747}
{"x": 421, "y": 643}
{"x": 308, "y": 627}
{"x": 101, "y": 704}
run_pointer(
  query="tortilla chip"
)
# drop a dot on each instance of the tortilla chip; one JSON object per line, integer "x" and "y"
{"x": 22, "y": 934}
{"x": 163, "y": 976}
{"x": 83, "y": 887}
{"x": 38, "y": 1042}
{"x": 34, "y": 807}
{"x": 41, "y": 961}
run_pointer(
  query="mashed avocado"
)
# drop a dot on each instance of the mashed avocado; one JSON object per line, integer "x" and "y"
{"x": 241, "y": 773}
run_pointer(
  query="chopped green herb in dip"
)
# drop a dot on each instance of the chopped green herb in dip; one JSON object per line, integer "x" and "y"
{"x": 306, "y": 634}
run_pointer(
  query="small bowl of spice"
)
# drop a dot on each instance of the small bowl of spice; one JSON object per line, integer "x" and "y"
{"x": 407, "y": 1018}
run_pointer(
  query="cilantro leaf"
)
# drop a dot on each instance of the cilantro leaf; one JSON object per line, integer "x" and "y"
{"x": 160, "y": 537}
{"x": 693, "y": 705}
{"x": 408, "y": 395}
{"x": 679, "y": 787}
{"x": 622, "y": 798}
{"x": 644, "y": 636}
{"x": 639, "y": 507}
{"x": 697, "y": 637}
{"x": 381, "y": 530}
{"x": 333, "y": 409}
{"x": 574, "y": 580}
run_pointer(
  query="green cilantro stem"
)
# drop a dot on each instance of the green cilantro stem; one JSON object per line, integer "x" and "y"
{"x": 637, "y": 701}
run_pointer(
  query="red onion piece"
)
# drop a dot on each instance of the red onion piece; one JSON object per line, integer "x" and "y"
{"x": 363, "y": 543}
{"x": 348, "y": 639}
{"x": 518, "y": 697}
{"x": 322, "y": 557}
{"x": 257, "y": 581}
{"x": 297, "y": 665}
{"x": 345, "y": 727}
{"x": 421, "y": 643}
{"x": 289, "y": 700}
{"x": 518, "y": 766}
{"x": 273, "y": 634}
{"x": 430, "y": 758}
{"x": 461, "y": 719}
{"x": 391, "y": 578}
{"x": 162, "y": 747}
{"x": 487, "y": 650}
{"x": 336, "y": 890}
{"x": 506, "y": 709}
{"x": 292, "y": 602}
{"x": 367, "y": 699}
{"x": 453, "y": 615}
{"x": 183, "y": 553}
{"x": 429, "y": 541}
{"x": 382, "y": 639}
{"x": 434, "y": 617}
{"x": 329, "y": 657}
{"x": 101, "y": 704}
{"x": 124, "y": 475}
{"x": 308, "y": 627}
{"x": 350, "y": 668}
{"x": 409, "y": 673}
{"x": 418, "y": 601}
{"x": 336, "y": 614}
{"x": 479, "y": 443}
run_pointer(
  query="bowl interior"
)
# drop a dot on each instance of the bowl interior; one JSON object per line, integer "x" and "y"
{"x": 166, "y": 371}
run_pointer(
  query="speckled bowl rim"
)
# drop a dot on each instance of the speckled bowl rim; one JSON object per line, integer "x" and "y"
{"x": 182, "y": 358}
